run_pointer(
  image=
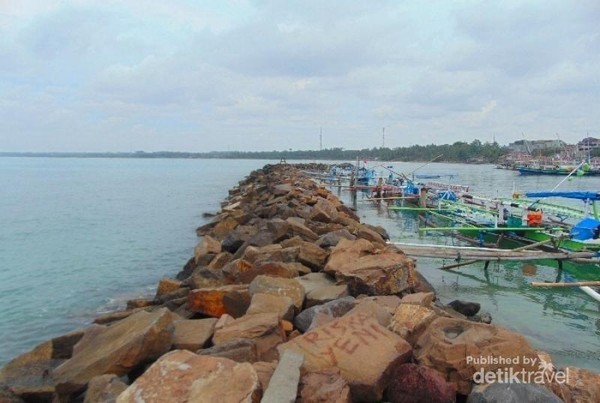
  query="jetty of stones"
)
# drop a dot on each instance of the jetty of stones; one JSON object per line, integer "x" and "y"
{"x": 289, "y": 297}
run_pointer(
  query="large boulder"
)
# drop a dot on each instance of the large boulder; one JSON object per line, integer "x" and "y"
{"x": 465, "y": 307}
{"x": 297, "y": 227}
{"x": 30, "y": 374}
{"x": 464, "y": 351}
{"x": 364, "y": 351}
{"x": 207, "y": 246}
{"x": 410, "y": 321}
{"x": 193, "y": 334}
{"x": 203, "y": 277}
{"x": 346, "y": 252}
{"x": 278, "y": 286}
{"x": 334, "y": 309}
{"x": 137, "y": 340}
{"x": 230, "y": 299}
{"x": 332, "y": 238}
{"x": 238, "y": 350}
{"x": 309, "y": 254}
{"x": 182, "y": 376}
{"x": 323, "y": 211}
{"x": 382, "y": 274}
{"x": 266, "y": 303}
{"x": 264, "y": 329}
{"x": 371, "y": 270}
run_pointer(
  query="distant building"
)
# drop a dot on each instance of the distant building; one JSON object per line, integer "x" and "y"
{"x": 531, "y": 146}
{"x": 588, "y": 143}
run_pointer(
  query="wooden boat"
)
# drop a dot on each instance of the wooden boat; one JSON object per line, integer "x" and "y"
{"x": 528, "y": 221}
{"x": 557, "y": 168}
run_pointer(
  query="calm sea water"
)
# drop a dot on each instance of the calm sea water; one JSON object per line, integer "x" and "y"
{"x": 81, "y": 236}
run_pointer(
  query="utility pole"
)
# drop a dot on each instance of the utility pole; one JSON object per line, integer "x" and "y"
{"x": 383, "y": 138}
{"x": 321, "y": 139}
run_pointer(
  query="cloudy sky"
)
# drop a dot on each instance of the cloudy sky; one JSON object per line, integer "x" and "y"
{"x": 87, "y": 75}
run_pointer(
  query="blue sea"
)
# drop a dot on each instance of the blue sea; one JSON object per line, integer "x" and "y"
{"x": 81, "y": 236}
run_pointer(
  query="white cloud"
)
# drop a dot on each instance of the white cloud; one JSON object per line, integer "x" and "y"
{"x": 268, "y": 74}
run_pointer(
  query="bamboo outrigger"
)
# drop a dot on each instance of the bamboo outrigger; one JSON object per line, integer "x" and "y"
{"x": 487, "y": 254}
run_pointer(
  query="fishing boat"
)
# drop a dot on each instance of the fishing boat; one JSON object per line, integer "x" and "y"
{"x": 556, "y": 168}
{"x": 528, "y": 221}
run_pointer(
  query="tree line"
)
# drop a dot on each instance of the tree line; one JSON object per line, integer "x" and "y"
{"x": 474, "y": 152}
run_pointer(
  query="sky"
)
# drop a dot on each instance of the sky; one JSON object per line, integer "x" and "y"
{"x": 251, "y": 75}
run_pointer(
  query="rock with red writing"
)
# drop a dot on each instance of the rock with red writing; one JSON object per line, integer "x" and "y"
{"x": 464, "y": 351}
{"x": 182, "y": 376}
{"x": 413, "y": 383}
{"x": 364, "y": 351}
{"x": 326, "y": 385}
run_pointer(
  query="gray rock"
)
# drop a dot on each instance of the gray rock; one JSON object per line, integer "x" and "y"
{"x": 336, "y": 308}
{"x": 283, "y": 386}
{"x": 512, "y": 393}
{"x": 464, "y": 307}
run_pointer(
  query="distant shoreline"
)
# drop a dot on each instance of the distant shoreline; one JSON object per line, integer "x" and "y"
{"x": 259, "y": 155}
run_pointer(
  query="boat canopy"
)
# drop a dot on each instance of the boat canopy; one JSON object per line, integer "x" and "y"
{"x": 579, "y": 195}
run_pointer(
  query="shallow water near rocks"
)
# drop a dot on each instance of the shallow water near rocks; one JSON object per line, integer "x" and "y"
{"x": 81, "y": 236}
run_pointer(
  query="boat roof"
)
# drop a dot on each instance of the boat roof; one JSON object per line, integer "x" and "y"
{"x": 579, "y": 195}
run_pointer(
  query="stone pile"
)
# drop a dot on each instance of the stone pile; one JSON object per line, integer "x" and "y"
{"x": 288, "y": 297}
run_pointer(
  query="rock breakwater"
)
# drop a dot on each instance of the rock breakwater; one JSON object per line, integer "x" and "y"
{"x": 288, "y": 296}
